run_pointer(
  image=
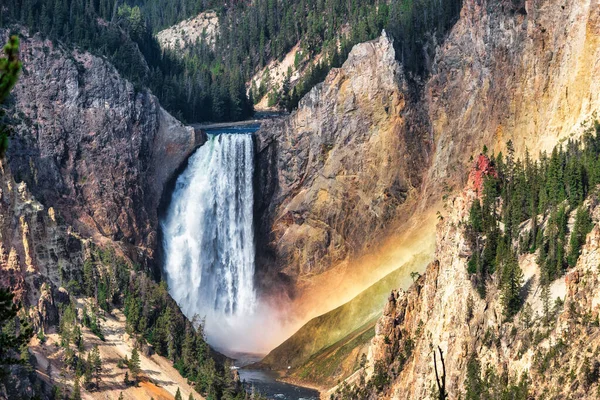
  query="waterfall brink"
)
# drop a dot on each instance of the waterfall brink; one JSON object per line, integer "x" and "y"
{"x": 209, "y": 236}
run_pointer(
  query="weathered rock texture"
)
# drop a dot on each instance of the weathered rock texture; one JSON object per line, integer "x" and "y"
{"x": 203, "y": 27}
{"x": 334, "y": 173}
{"x": 92, "y": 146}
{"x": 38, "y": 252}
{"x": 87, "y": 164}
{"x": 523, "y": 70}
{"x": 444, "y": 309}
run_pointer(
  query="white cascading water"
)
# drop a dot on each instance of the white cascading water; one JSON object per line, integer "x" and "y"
{"x": 209, "y": 237}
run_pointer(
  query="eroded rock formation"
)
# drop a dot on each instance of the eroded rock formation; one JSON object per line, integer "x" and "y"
{"x": 525, "y": 71}
{"x": 91, "y": 145}
{"x": 332, "y": 175}
{"x": 443, "y": 308}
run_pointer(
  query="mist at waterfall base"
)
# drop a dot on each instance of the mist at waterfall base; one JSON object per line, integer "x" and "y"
{"x": 208, "y": 242}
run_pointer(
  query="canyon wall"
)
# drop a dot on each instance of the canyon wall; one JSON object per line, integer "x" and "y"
{"x": 525, "y": 71}
{"x": 333, "y": 174}
{"x": 87, "y": 163}
{"x": 443, "y": 309}
{"x": 91, "y": 145}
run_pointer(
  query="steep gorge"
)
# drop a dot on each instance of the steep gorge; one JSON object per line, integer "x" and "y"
{"x": 365, "y": 158}
{"x": 358, "y": 165}
{"x": 335, "y": 174}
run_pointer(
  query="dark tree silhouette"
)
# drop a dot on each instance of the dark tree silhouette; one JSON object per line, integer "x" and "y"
{"x": 440, "y": 381}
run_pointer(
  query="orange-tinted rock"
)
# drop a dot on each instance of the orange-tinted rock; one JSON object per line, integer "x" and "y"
{"x": 482, "y": 168}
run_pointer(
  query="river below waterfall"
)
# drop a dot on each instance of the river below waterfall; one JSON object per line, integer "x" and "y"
{"x": 266, "y": 382}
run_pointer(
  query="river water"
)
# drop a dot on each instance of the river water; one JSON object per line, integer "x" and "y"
{"x": 265, "y": 382}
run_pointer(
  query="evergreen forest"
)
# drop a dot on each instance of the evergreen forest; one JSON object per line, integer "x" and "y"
{"x": 210, "y": 84}
{"x": 525, "y": 207}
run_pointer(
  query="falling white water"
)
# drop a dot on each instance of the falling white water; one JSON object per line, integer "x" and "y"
{"x": 209, "y": 238}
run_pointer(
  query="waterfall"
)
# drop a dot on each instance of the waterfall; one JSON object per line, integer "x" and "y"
{"x": 208, "y": 235}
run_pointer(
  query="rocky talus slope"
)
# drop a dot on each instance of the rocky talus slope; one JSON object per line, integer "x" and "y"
{"x": 444, "y": 309}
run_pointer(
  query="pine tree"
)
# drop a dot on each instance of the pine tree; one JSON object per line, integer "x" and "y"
{"x": 476, "y": 216}
{"x": 89, "y": 279}
{"x": 134, "y": 363}
{"x": 87, "y": 377}
{"x": 78, "y": 338}
{"x": 473, "y": 383}
{"x": 228, "y": 383}
{"x": 545, "y": 296}
{"x": 76, "y": 390}
{"x": 512, "y": 283}
{"x": 11, "y": 342}
{"x": 57, "y": 392}
{"x": 583, "y": 225}
{"x": 102, "y": 297}
{"x": 96, "y": 364}
{"x": 10, "y": 68}
{"x": 178, "y": 395}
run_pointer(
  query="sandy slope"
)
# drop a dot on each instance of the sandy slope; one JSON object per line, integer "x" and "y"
{"x": 158, "y": 380}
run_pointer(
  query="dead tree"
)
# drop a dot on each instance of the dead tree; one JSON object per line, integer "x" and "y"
{"x": 441, "y": 383}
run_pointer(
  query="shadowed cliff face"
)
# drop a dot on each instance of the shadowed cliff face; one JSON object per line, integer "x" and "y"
{"x": 333, "y": 174}
{"x": 86, "y": 165}
{"x": 91, "y": 145}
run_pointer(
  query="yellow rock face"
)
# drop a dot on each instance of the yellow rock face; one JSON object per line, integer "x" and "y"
{"x": 26, "y": 249}
{"x": 531, "y": 78}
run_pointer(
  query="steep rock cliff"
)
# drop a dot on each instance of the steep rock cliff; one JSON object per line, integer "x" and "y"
{"x": 38, "y": 252}
{"x": 203, "y": 27}
{"x": 525, "y": 71}
{"x": 332, "y": 175}
{"x": 557, "y": 357}
{"x": 335, "y": 172}
{"x": 91, "y": 145}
